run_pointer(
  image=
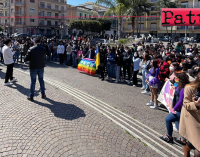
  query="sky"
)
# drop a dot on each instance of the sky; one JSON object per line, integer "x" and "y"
{"x": 77, "y": 2}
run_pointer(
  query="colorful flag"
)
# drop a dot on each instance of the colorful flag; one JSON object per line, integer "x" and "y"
{"x": 97, "y": 57}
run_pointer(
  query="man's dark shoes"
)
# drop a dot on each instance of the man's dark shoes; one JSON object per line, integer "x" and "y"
{"x": 167, "y": 139}
{"x": 30, "y": 99}
{"x": 43, "y": 96}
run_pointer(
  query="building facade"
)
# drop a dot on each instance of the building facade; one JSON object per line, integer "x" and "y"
{"x": 152, "y": 25}
{"x": 35, "y": 16}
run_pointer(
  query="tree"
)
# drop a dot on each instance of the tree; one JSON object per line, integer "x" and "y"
{"x": 115, "y": 8}
{"x": 136, "y": 8}
{"x": 167, "y": 4}
{"x": 1, "y": 29}
{"x": 105, "y": 24}
{"x": 86, "y": 25}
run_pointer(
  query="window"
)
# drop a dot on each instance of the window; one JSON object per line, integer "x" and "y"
{"x": 153, "y": 0}
{"x": 48, "y": 6}
{"x": 153, "y": 18}
{"x": 85, "y": 15}
{"x": 32, "y": 10}
{"x": 32, "y": 1}
{"x": 49, "y": 23}
{"x": 80, "y": 15}
{"x": 42, "y": 4}
{"x": 32, "y": 20}
{"x": 142, "y": 26}
{"x": 199, "y": 4}
{"x": 48, "y": 13}
{"x": 12, "y": 10}
{"x": 42, "y": 13}
{"x": 56, "y": 7}
{"x": 184, "y": 4}
{"x": 62, "y": 8}
{"x": 90, "y": 16}
{"x": 11, "y": 19}
{"x": 42, "y": 22}
{"x": 56, "y": 23}
{"x": 153, "y": 26}
{"x": 11, "y": 1}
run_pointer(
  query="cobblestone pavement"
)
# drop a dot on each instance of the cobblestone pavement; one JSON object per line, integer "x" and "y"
{"x": 58, "y": 126}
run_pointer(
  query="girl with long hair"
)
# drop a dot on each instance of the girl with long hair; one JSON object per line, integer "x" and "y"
{"x": 154, "y": 84}
{"x": 190, "y": 118}
{"x": 181, "y": 79}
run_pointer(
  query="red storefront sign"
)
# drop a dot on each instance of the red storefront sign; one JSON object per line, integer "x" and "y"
{"x": 180, "y": 17}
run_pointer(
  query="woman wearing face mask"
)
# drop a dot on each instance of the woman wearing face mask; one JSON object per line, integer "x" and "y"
{"x": 181, "y": 79}
{"x": 173, "y": 67}
{"x": 154, "y": 84}
{"x": 145, "y": 68}
{"x": 136, "y": 67}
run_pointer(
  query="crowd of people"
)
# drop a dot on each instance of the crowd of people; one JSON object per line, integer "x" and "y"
{"x": 156, "y": 63}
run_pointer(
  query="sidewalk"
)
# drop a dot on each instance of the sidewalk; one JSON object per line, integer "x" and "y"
{"x": 58, "y": 126}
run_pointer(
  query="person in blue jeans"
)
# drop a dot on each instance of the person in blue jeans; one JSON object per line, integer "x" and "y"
{"x": 17, "y": 52}
{"x": 118, "y": 64}
{"x": 110, "y": 63}
{"x": 145, "y": 65}
{"x": 36, "y": 57}
{"x": 180, "y": 80}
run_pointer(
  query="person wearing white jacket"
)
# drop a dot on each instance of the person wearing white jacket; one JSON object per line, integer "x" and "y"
{"x": 60, "y": 52}
{"x": 136, "y": 68}
{"x": 8, "y": 60}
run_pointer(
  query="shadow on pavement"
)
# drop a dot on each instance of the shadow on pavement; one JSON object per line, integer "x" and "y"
{"x": 2, "y": 75}
{"x": 62, "y": 110}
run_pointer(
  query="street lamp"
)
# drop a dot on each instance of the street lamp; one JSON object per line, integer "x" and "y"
{"x": 61, "y": 27}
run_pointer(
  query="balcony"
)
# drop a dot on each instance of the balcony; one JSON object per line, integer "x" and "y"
{"x": 153, "y": 18}
{"x": 20, "y": 23}
{"x": 22, "y": 3}
{"x": 20, "y": 13}
{"x": 57, "y": 1}
{"x": 197, "y": 27}
{"x": 5, "y": 6}
{"x": 5, "y": 15}
{"x": 49, "y": 24}
{"x": 50, "y": 16}
{"x": 52, "y": 8}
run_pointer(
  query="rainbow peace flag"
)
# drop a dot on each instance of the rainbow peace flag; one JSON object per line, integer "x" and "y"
{"x": 87, "y": 65}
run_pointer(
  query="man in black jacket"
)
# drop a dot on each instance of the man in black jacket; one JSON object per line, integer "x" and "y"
{"x": 36, "y": 57}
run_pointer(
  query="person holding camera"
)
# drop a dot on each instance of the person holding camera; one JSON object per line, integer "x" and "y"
{"x": 190, "y": 117}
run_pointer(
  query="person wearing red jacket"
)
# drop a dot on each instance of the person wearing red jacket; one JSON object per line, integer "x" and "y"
{"x": 163, "y": 71}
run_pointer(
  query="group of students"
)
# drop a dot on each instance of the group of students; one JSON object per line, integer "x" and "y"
{"x": 157, "y": 64}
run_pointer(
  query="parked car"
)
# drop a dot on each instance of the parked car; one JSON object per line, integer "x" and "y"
{"x": 34, "y": 36}
{"x": 15, "y": 34}
{"x": 165, "y": 38}
{"x": 22, "y": 35}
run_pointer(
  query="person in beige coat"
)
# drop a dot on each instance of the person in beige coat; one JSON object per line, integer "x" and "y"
{"x": 190, "y": 118}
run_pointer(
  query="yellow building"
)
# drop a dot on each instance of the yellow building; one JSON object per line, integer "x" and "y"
{"x": 152, "y": 25}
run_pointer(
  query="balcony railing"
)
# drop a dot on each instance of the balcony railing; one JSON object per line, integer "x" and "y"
{"x": 49, "y": 24}
{"x": 19, "y": 3}
{"x": 20, "y": 13}
{"x": 20, "y": 23}
{"x": 52, "y": 8}
{"x": 57, "y": 1}
{"x": 50, "y": 16}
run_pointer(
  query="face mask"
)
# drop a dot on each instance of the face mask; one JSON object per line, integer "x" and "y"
{"x": 171, "y": 68}
{"x": 135, "y": 55}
